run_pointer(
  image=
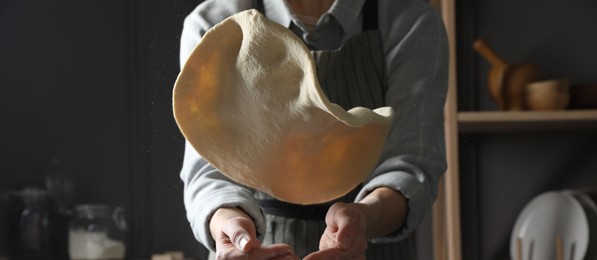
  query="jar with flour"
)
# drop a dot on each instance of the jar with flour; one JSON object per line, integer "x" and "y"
{"x": 97, "y": 232}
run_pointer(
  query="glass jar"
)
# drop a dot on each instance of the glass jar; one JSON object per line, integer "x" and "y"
{"x": 97, "y": 232}
{"x": 30, "y": 221}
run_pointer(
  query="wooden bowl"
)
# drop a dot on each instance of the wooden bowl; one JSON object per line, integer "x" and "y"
{"x": 548, "y": 94}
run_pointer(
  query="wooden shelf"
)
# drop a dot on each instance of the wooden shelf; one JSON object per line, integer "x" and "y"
{"x": 446, "y": 209}
{"x": 514, "y": 121}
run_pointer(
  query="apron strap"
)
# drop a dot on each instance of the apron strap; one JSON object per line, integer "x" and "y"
{"x": 370, "y": 17}
{"x": 258, "y": 5}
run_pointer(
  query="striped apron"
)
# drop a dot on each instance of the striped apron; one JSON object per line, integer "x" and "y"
{"x": 350, "y": 76}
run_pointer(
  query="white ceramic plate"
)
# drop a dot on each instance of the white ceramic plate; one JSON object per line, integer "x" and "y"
{"x": 591, "y": 212}
{"x": 547, "y": 216}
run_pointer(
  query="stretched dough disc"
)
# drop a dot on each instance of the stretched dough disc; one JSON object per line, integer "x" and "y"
{"x": 249, "y": 102}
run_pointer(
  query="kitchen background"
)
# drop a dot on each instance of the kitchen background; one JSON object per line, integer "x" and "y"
{"x": 89, "y": 82}
{"x": 502, "y": 171}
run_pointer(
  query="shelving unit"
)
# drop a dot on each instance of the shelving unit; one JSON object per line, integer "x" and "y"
{"x": 446, "y": 210}
{"x": 516, "y": 121}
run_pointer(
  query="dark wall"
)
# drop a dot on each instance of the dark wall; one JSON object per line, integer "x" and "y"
{"x": 64, "y": 93}
{"x": 159, "y": 24}
{"x": 90, "y": 82}
{"x": 503, "y": 172}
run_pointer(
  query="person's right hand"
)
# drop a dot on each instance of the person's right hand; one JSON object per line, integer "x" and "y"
{"x": 235, "y": 236}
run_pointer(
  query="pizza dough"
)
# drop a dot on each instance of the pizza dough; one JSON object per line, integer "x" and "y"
{"x": 249, "y": 102}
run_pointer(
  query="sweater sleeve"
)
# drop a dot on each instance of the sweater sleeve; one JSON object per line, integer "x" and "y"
{"x": 413, "y": 158}
{"x": 206, "y": 189}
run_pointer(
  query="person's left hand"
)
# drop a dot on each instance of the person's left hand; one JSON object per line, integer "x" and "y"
{"x": 345, "y": 235}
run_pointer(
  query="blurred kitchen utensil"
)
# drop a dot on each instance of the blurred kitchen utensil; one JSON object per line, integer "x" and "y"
{"x": 548, "y": 94}
{"x": 507, "y": 82}
{"x": 60, "y": 186}
{"x": 586, "y": 197}
{"x": 30, "y": 223}
{"x": 548, "y": 216}
{"x": 97, "y": 231}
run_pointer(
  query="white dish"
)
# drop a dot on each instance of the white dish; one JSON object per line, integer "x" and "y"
{"x": 546, "y": 217}
{"x": 591, "y": 212}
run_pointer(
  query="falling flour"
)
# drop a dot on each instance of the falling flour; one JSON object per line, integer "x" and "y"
{"x": 94, "y": 245}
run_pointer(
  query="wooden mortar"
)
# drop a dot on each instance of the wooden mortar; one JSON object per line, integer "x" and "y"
{"x": 507, "y": 82}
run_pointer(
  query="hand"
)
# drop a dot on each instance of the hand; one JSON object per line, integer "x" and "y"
{"x": 235, "y": 237}
{"x": 345, "y": 236}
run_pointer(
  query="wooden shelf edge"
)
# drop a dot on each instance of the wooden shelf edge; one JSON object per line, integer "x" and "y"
{"x": 516, "y": 121}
